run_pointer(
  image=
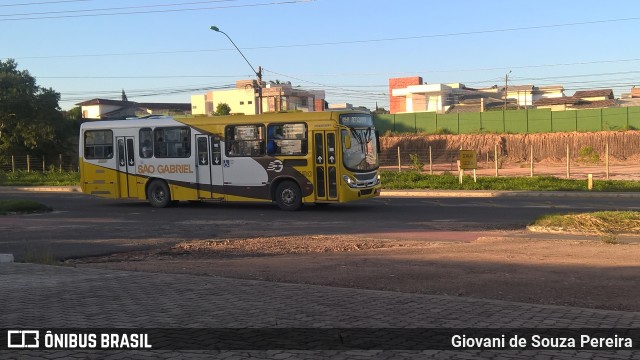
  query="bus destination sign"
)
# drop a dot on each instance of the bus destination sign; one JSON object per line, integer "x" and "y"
{"x": 356, "y": 120}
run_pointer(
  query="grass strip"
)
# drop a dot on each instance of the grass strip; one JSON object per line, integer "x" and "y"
{"x": 600, "y": 222}
{"x": 34, "y": 178}
{"x": 17, "y": 206}
{"x": 393, "y": 180}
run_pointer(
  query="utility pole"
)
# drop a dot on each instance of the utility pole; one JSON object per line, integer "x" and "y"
{"x": 506, "y": 88}
{"x": 259, "y": 76}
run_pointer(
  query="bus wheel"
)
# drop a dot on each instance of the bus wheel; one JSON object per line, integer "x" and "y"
{"x": 288, "y": 196}
{"x": 158, "y": 194}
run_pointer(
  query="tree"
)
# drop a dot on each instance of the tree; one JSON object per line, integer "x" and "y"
{"x": 30, "y": 119}
{"x": 222, "y": 109}
{"x": 74, "y": 114}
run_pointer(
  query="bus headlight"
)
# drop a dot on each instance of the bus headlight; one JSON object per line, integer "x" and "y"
{"x": 351, "y": 182}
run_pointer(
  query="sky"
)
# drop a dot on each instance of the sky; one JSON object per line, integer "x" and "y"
{"x": 164, "y": 50}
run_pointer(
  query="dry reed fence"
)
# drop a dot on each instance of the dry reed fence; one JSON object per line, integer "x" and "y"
{"x": 599, "y": 153}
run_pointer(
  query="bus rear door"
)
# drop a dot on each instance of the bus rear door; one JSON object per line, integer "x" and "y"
{"x": 325, "y": 170}
{"x": 209, "y": 168}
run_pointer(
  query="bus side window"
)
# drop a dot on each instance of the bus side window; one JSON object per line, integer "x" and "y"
{"x": 245, "y": 140}
{"x": 98, "y": 144}
{"x": 146, "y": 145}
{"x": 172, "y": 142}
{"x": 287, "y": 139}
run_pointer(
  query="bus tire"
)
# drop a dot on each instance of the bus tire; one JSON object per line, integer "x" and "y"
{"x": 288, "y": 196}
{"x": 158, "y": 194}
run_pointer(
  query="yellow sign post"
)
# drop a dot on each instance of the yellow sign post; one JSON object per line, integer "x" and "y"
{"x": 468, "y": 161}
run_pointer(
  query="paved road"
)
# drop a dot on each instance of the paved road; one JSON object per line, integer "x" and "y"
{"x": 53, "y": 297}
{"x": 82, "y": 225}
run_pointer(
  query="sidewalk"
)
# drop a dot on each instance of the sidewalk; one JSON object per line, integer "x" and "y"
{"x": 39, "y": 296}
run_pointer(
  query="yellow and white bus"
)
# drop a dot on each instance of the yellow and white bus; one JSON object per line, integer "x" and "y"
{"x": 289, "y": 158}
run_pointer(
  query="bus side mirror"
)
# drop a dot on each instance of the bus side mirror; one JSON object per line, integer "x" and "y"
{"x": 347, "y": 142}
{"x": 378, "y": 146}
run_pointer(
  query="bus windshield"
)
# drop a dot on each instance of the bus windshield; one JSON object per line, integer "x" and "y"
{"x": 359, "y": 149}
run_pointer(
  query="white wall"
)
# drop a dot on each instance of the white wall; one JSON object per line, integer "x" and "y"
{"x": 241, "y": 101}
{"x": 95, "y": 111}
{"x": 199, "y": 105}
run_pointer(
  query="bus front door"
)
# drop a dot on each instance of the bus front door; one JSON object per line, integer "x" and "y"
{"x": 325, "y": 170}
{"x": 126, "y": 181}
{"x": 209, "y": 168}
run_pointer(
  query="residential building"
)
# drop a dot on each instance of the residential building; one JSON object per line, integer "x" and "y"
{"x": 630, "y": 99}
{"x": 346, "y": 106}
{"x": 119, "y": 109}
{"x": 594, "y": 95}
{"x": 411, "y": 95}
{"x": 556, "y": 104}
{"x": 398, "y": 103}
{"x": 423, "y": 97}
{"x": 244, "y": 99}
{"x": 526, "y": 95}
{"x": 584, "y": 99}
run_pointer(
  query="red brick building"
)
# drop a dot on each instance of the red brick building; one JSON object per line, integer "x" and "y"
{"x": 398, "y": 104}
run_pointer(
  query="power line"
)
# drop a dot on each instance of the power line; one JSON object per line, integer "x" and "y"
{"x": 117, "y": 8}
{"x": 43, "y": 3}
{"x": 141, "y": 77}
{"x": 159, "y": 11}
{"x": 71, "y": 97}
{"x": 583, "y": 75}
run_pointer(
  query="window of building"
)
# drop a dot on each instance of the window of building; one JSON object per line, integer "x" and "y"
{"x": 241, "y": 102}
{"x": 249, "y": 102}
{"x": 287, "y": 139}
{"x": 98, "y": 144}
{"x": 146, "y": 143}
{"x": 244, "y": 140}
{"x": 172, "y": 142}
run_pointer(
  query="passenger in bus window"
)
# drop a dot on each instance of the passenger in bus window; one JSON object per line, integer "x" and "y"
{"x": 233, "y": 148}
{"x": 278, "y": 133}
{"x": 187, "y": 147}
{"x": 147, "y": 150}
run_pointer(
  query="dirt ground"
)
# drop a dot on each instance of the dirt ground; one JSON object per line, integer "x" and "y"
{"x": 510, "y": 265}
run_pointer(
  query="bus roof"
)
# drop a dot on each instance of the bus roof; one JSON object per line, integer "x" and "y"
{"x": 266, "y": 118}
{"x": 218, "y": 120}
{"x": 119, "y": 124}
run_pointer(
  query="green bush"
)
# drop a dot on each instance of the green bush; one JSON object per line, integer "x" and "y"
{"x": 416, "y": 164}
{"x": 588, "y": 155}
{"x": 21, "y": 206}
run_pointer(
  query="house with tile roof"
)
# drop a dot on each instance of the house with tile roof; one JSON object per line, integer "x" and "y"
{"x": 583, "y": 99}
{"x": 105, "y": 109}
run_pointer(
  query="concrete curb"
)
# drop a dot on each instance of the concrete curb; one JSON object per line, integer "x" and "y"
{"x": 494, "y": 193}
{"x": 397, "y": 193}
{"x": 13, "y": 189}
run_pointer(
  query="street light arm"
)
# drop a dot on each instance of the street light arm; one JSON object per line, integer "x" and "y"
{"x": 258, "y": 73}
{"x": 215, "y": 28}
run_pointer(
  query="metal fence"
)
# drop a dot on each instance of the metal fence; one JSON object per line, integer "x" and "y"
{"x": 39, "y": 164}
{"x": 567, "y": 162}
{"x": 563, "y": 162}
